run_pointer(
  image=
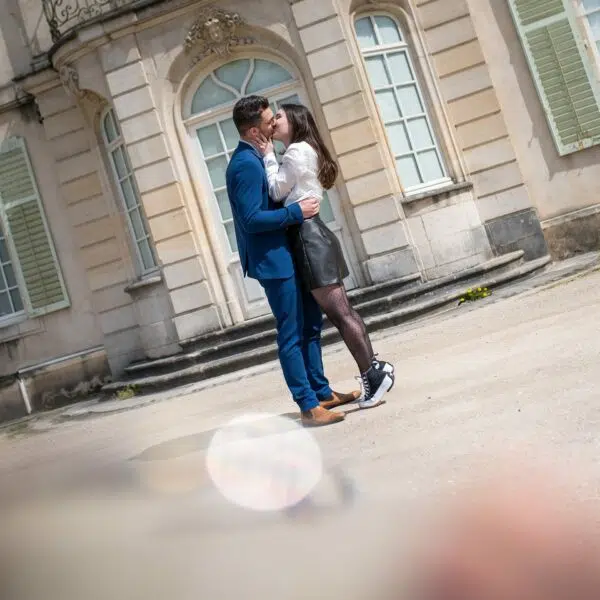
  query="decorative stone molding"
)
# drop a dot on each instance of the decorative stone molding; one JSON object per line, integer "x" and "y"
{"x": 214, "y": 32}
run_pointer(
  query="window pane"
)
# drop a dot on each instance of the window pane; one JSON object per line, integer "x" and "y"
{"x": 377, "y": 72}
{"x": 279, "y": 150}
{"x": 289, "y": 100}
{"x": 210, "y": 140}
{"x": 209, "y": 95}
{"x": 325, "y": 211}
{"x": 590, "y": 5}
{"x": 401, "y": 71}
{"x": 409, "y": 100}
{"x": 398, "y": 138}
{"x": 388, "y": 105}
{"x": 139, "y": 231}
{"x": 9, "y": 274}
{"x": 408, "y": 172}
{"x": 266, "y": 74}
{"x": 148, "y": 261}
{"x": 419, "y": 133}
{"x": 119, "y": 162}
{"x": 388, "y": 30}
{"x": 230, "y": 133}
{"x": 129, "y": 195}
{"x": 5, "y": 304}
{"x": 16, "y": 300}
{"x": 111, "y": 130}
{"x": 430, "y": 165}
{"x": 234, "y": 73}
{"x": 224, "y": 205}
{"x": 594, "y": 21}
{"x": 230, "y": 231}
{"x": 365, "y": 34}
{"x": 3, "y": 249}
{"x": 216, "y": 170}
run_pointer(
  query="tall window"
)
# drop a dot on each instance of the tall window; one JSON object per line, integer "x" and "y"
{"x": 591, "y": 9}
{"x": 400, "y": 100}
{"x": 31, "y": 281}
{"x": 216, "y": 132}
{"x": 130, "y": 197}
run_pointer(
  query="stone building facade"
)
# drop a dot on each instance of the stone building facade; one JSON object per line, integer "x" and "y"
{"x": 464, "y": 129}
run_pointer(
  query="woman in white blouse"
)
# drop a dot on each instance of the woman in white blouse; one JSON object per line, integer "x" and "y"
{"x": 307, "y": 168}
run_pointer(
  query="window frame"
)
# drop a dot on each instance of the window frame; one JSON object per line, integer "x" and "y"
{"x": 109, "y": 148}
{"x": 20, "y": 315}
{"x": 404, "y": 47}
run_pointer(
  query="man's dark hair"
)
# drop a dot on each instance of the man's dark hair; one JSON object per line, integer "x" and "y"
{"x": 247, "y": 112}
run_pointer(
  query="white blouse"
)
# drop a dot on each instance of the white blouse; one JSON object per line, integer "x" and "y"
{"x": 297, "y": 177}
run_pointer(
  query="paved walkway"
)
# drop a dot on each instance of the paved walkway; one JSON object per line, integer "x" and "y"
{"x": 120, "y": 505}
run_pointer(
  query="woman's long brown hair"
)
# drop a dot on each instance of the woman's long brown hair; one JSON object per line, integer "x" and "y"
{"x": 304, "y": 129}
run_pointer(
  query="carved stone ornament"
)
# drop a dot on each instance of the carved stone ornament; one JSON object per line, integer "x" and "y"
{"x": 214, "y": 32}
{"x": 69, "y": 77}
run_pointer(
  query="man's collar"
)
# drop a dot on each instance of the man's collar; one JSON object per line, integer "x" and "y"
{"x": 251, "y": 146}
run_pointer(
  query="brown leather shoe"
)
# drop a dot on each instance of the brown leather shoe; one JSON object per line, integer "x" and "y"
{"x": 339, "y": 399}
{"x": 319, "y": 416}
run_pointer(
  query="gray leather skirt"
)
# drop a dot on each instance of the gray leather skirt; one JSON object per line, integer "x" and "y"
{"x": 317, "y": 253}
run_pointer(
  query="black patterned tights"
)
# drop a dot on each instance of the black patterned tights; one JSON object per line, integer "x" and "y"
{"x": 334, "y": 302}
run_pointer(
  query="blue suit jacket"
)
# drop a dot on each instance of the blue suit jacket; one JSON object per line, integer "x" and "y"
{"x": 259, "y": 226}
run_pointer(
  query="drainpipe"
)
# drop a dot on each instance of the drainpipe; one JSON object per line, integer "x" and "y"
{"x": 24, "y": 394}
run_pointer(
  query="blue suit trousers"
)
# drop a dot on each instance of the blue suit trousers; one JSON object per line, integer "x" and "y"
{"x": 299, "y": 324}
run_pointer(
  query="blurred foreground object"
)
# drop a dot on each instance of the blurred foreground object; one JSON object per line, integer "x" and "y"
{"x": 521, "y": 536}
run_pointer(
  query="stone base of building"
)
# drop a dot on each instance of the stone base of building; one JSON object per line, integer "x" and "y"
{"x": 517, "y": 231}
{"x": 53, "y": 384}
{"x": 573, "y": 233}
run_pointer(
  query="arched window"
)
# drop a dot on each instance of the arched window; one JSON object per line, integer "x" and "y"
{"x": 236, "y": 79}
{"x": 209, "y": 115}
{"x": 128, "y": 192}
{"x": 401, "y": 104}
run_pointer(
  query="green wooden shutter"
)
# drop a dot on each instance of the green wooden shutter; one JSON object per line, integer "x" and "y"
{"x": 562, "y": 71}
{"x": 25, "y": 224}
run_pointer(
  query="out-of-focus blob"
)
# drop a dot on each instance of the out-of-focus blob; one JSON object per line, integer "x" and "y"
{"x": 264, "y": 462}
{"x": 522, "y": 535}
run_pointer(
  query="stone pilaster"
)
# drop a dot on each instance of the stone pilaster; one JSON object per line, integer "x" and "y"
{"x": 194, "y": 311}
{"x": 97, "y": 227}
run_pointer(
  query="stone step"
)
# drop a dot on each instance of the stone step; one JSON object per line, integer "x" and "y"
{"x": 262, "y": 324}
{"x": 262, "y": 331}
{"x": 243, "y": 353}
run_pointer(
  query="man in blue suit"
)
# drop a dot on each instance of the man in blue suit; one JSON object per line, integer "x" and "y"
{"x": 265, "y": 256}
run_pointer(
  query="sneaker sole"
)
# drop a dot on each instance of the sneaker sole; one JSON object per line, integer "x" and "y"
{"x": 386, "y": 385}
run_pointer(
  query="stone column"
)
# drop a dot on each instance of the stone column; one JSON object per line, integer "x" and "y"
{"x": 502, "y": 200}
{"x": 158, "y": 183}
{"x": 369, "y": 181}
{"x": 96, "y": 225}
